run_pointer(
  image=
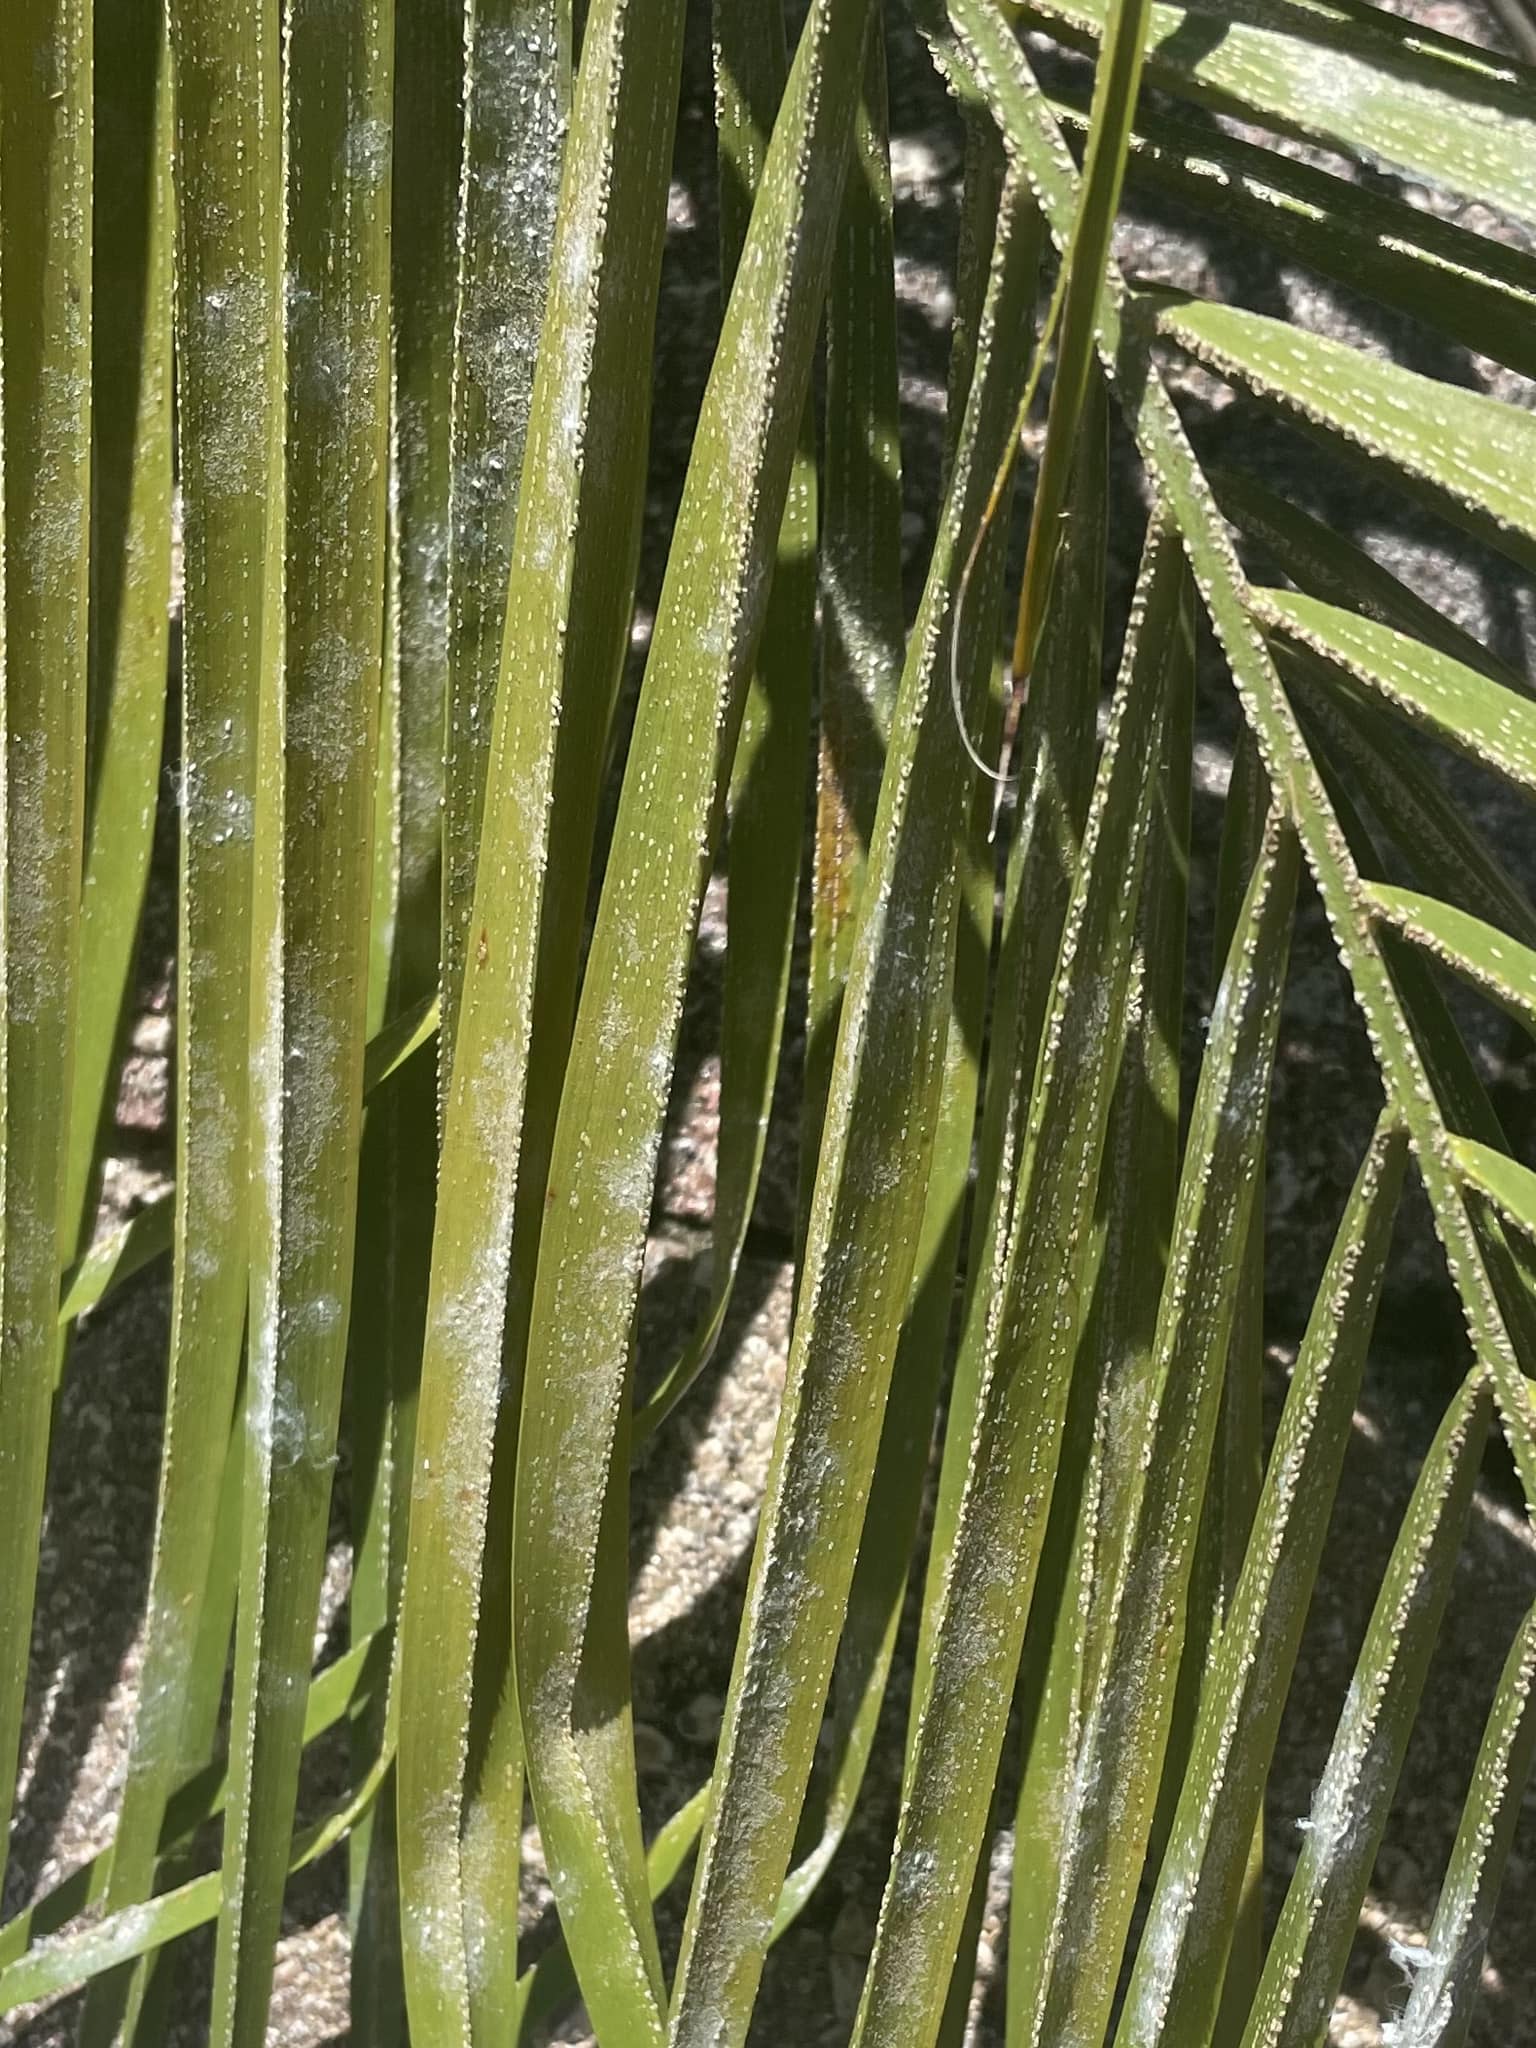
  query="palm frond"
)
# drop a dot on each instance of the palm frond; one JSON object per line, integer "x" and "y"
{"x": 1028, "y": 1568}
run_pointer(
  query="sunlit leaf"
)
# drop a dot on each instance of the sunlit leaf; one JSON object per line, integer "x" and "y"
{"x": 1176, "y": 1986}
{"x": 316, "y": 748}
{"x": 572, "y": 1651}
{"x": 226, "y": 157}
{"x": 1468, "y": 455}
{"x": 1353, "y": 77}
{"x": 559, "y": 667}
{"x": 1000, "y": 1519}
{"x": 45, "y": 470}
{"x": 1447, "y": 1971}
{"x": 1341, "y": 1834}
{"x": 1492, "y": 724}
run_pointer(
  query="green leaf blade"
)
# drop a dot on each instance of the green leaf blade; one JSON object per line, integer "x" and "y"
{"x": 1481, "y": 718}
{"x": 1351, "y": 77}
{"x": 567, "y": 625}
{"x": 1175, "y": 1988}
{"x": 1497, "y": 964}
{"x": 1128, "y": 1720}
{"x": 1000, "y": 1521}
{"x": 860, "y": 573}
{"x": 767, "y": 775}
{"x": 315, "y": 801}
{"x": 1306, "y": 1960}
{"x": 131, "y": 551}
{"x": 1448, "y": 1974}
{"x": 226, "y": 156}
{"x": 872, "y": 1187}
{"x": 1467, "y": 454}
{"x": 1510, "y": 1186}
{"x": 45, "y": 488}
{"x": 572, "y": 1654}
{"x": 517, "y": 100}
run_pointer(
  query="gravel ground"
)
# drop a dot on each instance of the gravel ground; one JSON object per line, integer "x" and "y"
{"x": 696, "y": 1492}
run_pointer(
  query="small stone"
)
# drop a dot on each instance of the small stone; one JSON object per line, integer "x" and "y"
{"x": 853, "y": 1931}
{"x": 847, "y": 1974}
{"x": 700, "y": 1720}
{"x": 1400, "y": 1876}
{"x": 653, "y": 1752}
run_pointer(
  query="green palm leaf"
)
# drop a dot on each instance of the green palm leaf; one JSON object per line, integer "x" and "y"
{"x": 45, "y": 485}
{"x": 559, "y": 665}
{"x": 316, "y": 748}
{"x": 1346, "y": 75}
{"x": 1026, "y": 1550}
{"x": 227, "y": 270}
{"x": 570, "y": 1649}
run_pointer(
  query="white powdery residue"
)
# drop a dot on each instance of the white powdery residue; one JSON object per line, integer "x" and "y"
{"x": 1332, "y": 1819}
{"x": 318, "y": 365}
{"x": 630, "y": 1179}
{"x": 479, "y": 481}
{"x": 310, "y": 1075}
{"x": 319, "y": 729}
{"x": 203, "y": 1260}
{"x": 51, "y": 538}
{"x": 659, "y": 1066}
{"x": 131, "y": 1928}
{"x": 267, "y": 1164}
{"x": 368, "y": 152}
{"x": 1431, "y": 1978}
{"x": 612, "y": 1024}
{"x": 278, "y": 1689}
{"x": 913, "y": 1877}
{"x": 576, "y": 269}
{"x": 1161, "y": 1948}
{"x": 158, "y": 1709}
{"x": 427, "y": 619}
{"x": 229, "y": 335}
{"x": 432, "y": 1917}
{"x": 701, "y": 2026}
{"x": 1086, "y": 1769}
{"x": 1245, "y": 1096}
{"x": 918, "y": 1889}
{"x": 714, "y": 638}
{"x": 467, "y": 1325}
{"x": 292, "y": 1434}
{"x": 485, "y": 1880}
{"x": 238, "y": 819}
{"x": 865, "y": 650}
{"x": 768, "y": 1694}
{"x": 317, "y": 1317}
{"x": 39, "y": 857}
